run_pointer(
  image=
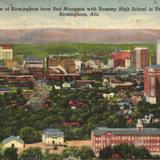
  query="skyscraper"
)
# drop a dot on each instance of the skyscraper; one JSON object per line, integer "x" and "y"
{"x": 121, "y": 58}
{"x": 140, "y": 58}
{"x": 158, "y": 52}
{"x": 152, "y": 83}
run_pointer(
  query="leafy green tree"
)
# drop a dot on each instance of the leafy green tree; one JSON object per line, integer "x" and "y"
{"x": 86, "y": 153}
{"x": 30, "y": 135}
{"x": 126, "y": 151}
{"x": 10, "y": 154}
{"x": 48, "y": 156}
{"x": 132, "y": 152}
{"x": 83, "y": 153}
{"x": 31, "y": 154}
{"x": 105, "y": 153}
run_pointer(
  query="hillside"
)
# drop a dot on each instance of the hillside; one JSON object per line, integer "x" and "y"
{"x": 42, "y": 50}
{"x": 116, "y": 36}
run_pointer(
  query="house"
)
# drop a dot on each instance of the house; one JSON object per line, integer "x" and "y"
{"x": 13, "y": 141}
{"x": 66, "y": 85}
{"x": 74, "y": 103}
{"x": 57, "y": 87}
{"x": 109, "y": 95}
{"x": 52, "y": 136}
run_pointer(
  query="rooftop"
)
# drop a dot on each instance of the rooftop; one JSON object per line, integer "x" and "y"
{"x": 63, "y": 55}
{"x": 6, "y": 46}
{"x": 53, "y": 132}
{"x": 126, "y": 131}
{"x": 155, "y": 66}
{"x": 12, "y": 138}
{"x": 140, "y": 48}
{"x": 31, "y": 58}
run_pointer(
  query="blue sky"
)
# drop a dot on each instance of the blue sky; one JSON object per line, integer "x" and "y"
{"x": 106, "y": 20}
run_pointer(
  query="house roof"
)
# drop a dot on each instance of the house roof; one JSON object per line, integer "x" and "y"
{"x": 7, "y": 46}
{"x": 140, "y": 48}
{"x": 154, "y": 66}
{"x": 71, "y": 158}
{"x": 53, "y": 132}
{"x": 31, "y": 58}
{"x": 126, "y": 131}
{"x": 13, "y": 138}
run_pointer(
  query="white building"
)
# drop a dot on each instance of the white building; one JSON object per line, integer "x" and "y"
{"x": 127, "y": 63}
{"x": 53, "y": 136}
{"x": 13, "y": 141}
{"x": 110, "y": 63}
{"x": 158, "y": 52}
{"x": 78, "y": 64}
{"x": 6, "y": 52}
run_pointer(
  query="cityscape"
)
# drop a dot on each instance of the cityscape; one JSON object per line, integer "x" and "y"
{"x": 79, "y": 106}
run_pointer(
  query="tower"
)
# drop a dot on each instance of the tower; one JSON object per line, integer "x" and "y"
{"x": 152, "y": 83}
{"x": 140, "y": 58}
{"x": 158, "y": 52}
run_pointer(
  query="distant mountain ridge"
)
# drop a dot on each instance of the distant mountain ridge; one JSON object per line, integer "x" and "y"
{"x": 107, "y": 36}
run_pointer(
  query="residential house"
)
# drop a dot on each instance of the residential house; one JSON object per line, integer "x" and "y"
{"x": 53, "y": 136}
{"x": 13, "y": 141}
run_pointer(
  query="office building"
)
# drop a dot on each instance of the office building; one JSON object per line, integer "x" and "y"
{"x": 121, "y": 58}
{"x": 158, "y": 52}
{"x": 140, "y": 58}
{"x": 152, "y": 83}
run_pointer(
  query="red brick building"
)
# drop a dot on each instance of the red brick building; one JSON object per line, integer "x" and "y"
{"x": 120, "y": 57}
{"x": 140, "y": 58}
{"x": 152, "y": 83}
{"x": 61, "y": 65}
{"x": 149, "y": 138}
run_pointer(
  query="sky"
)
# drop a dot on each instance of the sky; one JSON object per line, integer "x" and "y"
{"x": 105, "y": 20}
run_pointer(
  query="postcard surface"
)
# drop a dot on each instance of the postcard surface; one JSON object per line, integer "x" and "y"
{"x": 79, "y": 80}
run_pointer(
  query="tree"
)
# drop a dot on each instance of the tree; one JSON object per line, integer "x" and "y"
{"x": 48, "y": 156}
{"x": 10, "y": 154}
{"x": 132, "y": 152}
{"x": 126, "y": 151}
{"x": 86, "y": 153}
{"x": 105, "y": 153}
{"x": 83, "y": 153}
{"x": 31, "y": 154}
{"x": 30, "y": 135}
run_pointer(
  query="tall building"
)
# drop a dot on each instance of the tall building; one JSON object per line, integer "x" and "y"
{"x": 140, "y": 58}
{"x": 6, "y": 52}
{"x": 121, "y": 58}
{"x": 152, "y": 83}
{"x": 149, "y": 138}
{"x": 158, "y": 52}
{"x": 61, "y": 64}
